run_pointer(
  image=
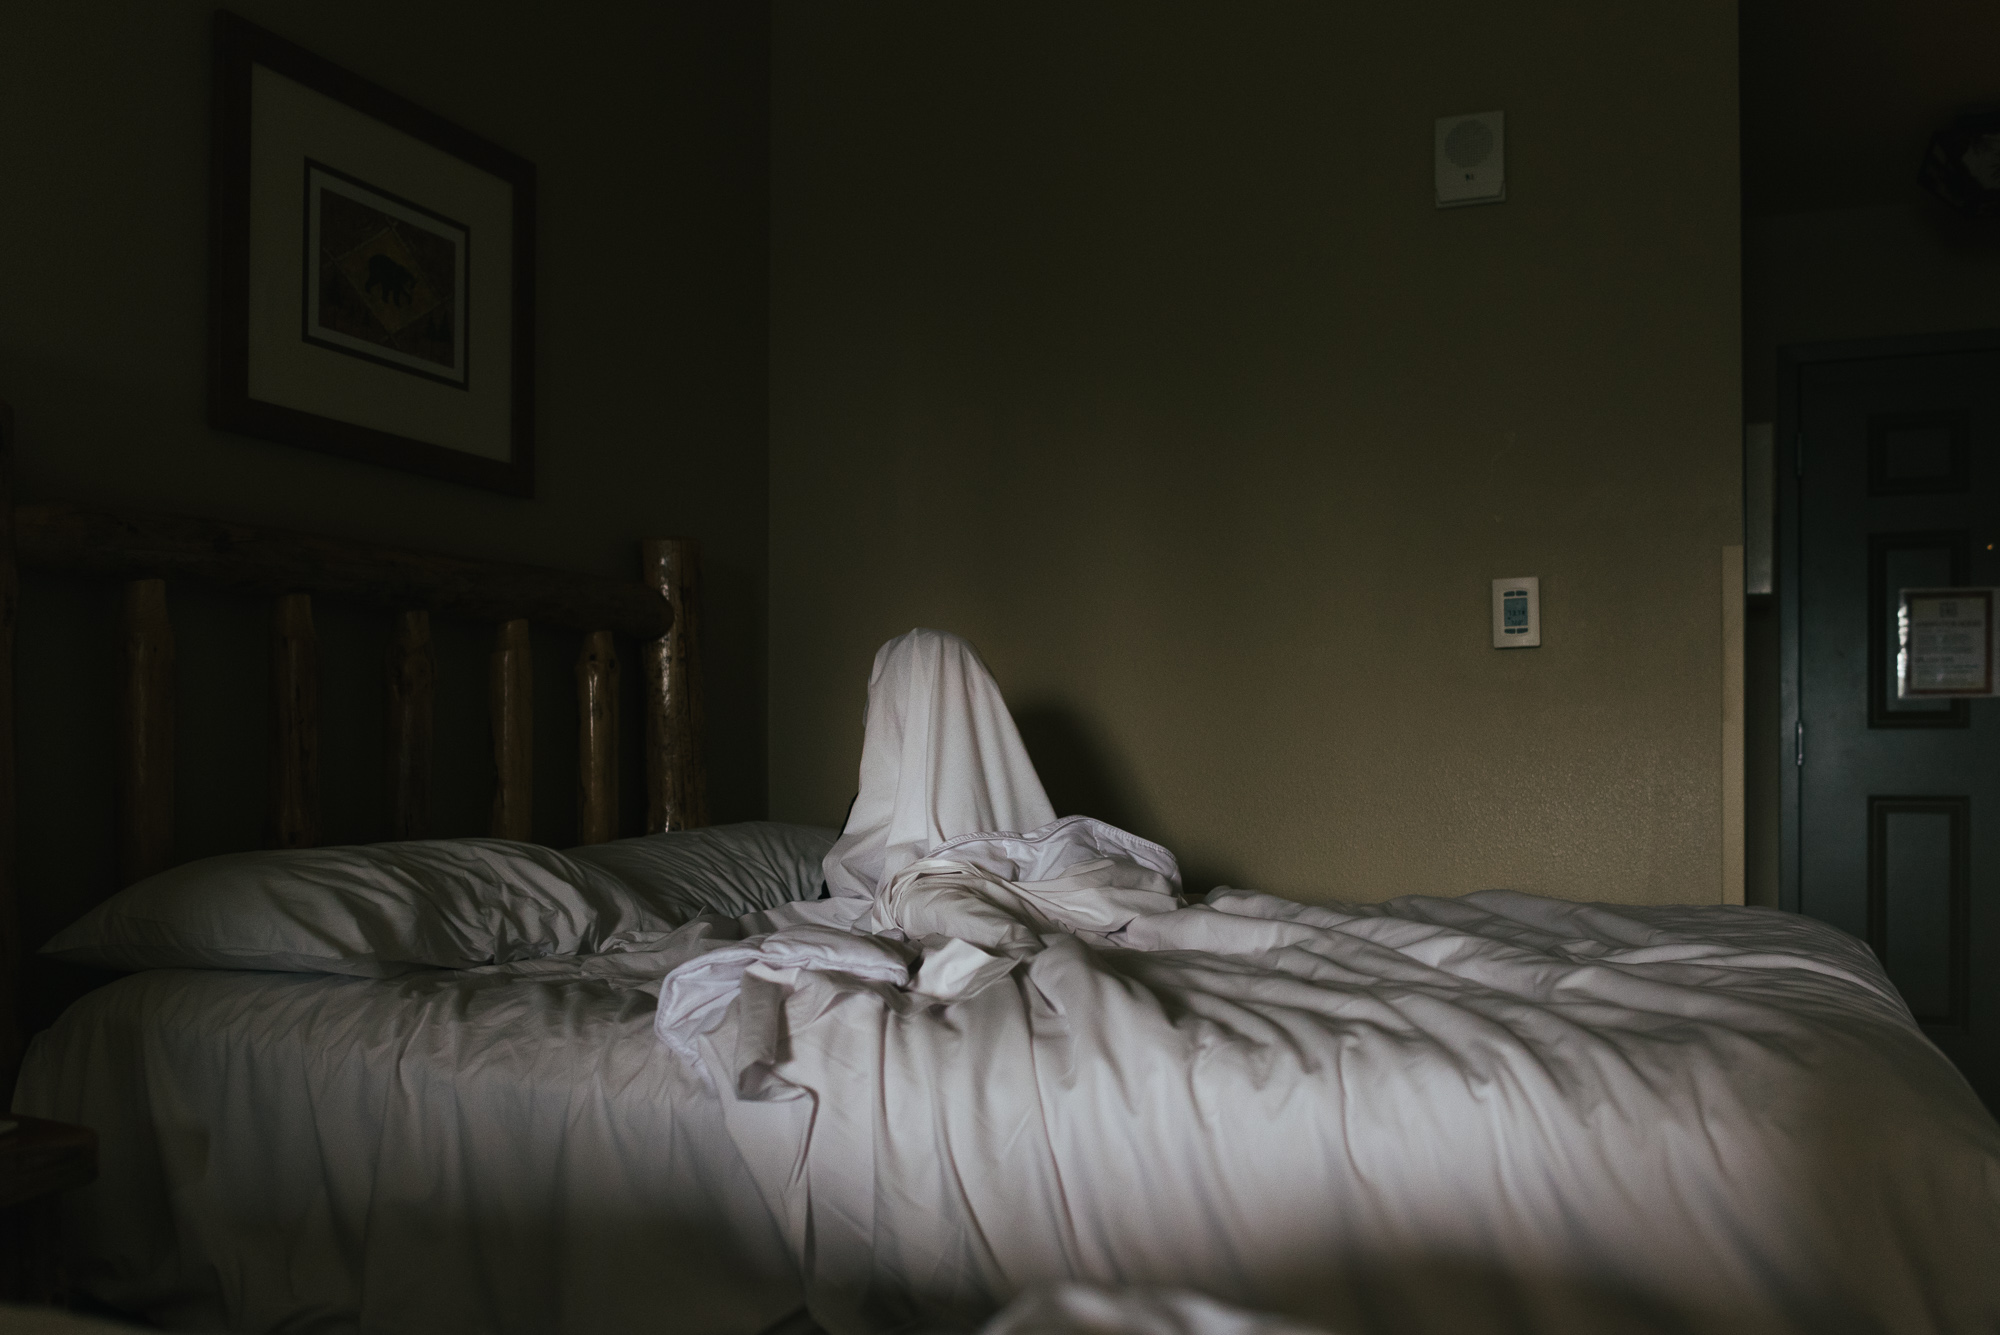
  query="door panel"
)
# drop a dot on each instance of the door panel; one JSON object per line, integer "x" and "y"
{"x": 1918, "y": 883}
{"x": 1895, "y": 810}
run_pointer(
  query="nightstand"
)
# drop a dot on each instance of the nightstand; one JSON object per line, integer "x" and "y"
{"x": 38, "y": 1160}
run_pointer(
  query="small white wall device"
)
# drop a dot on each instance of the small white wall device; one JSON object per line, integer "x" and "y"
{"x": 1517, "y": 613}
{"x": 1471, "y": 159}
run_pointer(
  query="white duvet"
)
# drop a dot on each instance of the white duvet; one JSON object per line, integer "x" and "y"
{"x": 1022, "y": 1059}
{"x": 502, "y": 1150}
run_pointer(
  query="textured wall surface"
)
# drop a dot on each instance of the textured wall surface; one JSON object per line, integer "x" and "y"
{"x": 1126, "y": 340}
{"x": 647, "y": 125}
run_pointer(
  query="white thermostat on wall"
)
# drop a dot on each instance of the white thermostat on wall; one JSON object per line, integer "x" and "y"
{"x": 1471, "y": 159}
{"x": 1517, "y": 613}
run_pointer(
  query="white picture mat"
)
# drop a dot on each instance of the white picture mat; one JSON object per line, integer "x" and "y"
{"x": 290, "y": 123}
{"x": 1948, "y": 644}
{"x": 316, "y": 180}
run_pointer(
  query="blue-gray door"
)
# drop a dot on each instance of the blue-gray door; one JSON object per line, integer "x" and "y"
{"x": 1893, "y": 804}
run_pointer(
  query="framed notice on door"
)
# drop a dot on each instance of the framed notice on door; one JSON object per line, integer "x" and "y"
{"x": 1948, "y": 644}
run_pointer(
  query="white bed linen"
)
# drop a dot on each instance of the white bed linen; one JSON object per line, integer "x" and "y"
{"x": 940, "y": 757}
{"x": 1013, "y": 1056}
{"x": 378, "y": 910}
{"x": 1490, "y": 1113}
{"x": 496, "y": 1150}
{"x": 1084, "y": 1309}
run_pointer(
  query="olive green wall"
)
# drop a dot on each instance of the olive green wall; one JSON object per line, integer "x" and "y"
{"x": 1124, "y": 338}
{"x": 647, "y": 125}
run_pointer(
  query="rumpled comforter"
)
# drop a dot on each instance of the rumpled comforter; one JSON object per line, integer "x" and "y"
{"x": 494, "y": 1151}
{"x": 1497, "y": 1112}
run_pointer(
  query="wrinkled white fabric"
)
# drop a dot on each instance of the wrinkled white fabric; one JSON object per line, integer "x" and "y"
{"x": 1494, "y": 1113}
{"x": 941, "y": 757}
{"x": 499, "y": 1151}
{"x": 731, "y": 869}
{"x": 1064, "y": 848}
{"x": 951, "y": 819}
{"x": 1083, "y": 1309}
{"x": 957, "y": 969}
{"x": 1489, "y": 1113}
{"x": 378, "y": 910}
{"x": 694, "y": 994}
{"x": 371, "y": 910}
{"x": 942, "y": 896}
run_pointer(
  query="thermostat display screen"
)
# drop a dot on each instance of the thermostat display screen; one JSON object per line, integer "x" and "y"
{"x": 1517, "y": 613}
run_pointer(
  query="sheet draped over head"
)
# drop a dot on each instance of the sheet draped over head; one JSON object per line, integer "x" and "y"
{"x": 952, "y": 833}
{"x": 941, "y": 759}
{"x": 1010, "y": 1052}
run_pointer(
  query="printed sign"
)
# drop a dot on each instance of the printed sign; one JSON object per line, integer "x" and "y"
{"x": 1947, "y": 643}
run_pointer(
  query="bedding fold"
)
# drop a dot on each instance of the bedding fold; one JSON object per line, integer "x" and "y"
{"x": 1598, "y": 1119}
{"x": 504, "y": 1149}
{"x": 1030, "y": 1062}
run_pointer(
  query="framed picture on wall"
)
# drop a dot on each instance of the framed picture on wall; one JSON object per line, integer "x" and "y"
{"x": 372, "y": 271}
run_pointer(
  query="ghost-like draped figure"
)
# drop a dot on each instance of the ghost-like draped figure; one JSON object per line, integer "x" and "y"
{"x": 1005, "y": 1052}
{"x": 940, "y": 758}
{"x": 952, "y": 823}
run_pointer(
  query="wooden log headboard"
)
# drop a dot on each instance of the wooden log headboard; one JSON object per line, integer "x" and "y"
{"x": 152, "y": 551}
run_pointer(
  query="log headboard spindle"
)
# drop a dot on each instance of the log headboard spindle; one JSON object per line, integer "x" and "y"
{"x": 151, "y": 552}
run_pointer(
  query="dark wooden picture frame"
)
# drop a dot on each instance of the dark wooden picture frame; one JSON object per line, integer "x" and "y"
{"x": 239, "y": 47}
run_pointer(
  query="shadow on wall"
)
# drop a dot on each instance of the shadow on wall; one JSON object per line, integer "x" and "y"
{"x": 1083, "y": 778}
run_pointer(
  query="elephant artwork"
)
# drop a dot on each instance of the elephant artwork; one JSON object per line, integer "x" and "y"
{"x": 388, "y": 278}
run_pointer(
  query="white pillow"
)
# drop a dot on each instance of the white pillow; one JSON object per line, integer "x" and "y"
{"x": 726, "y": 869}
{"x": 377, "y": 910}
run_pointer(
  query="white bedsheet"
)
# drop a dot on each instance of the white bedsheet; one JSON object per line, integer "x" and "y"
{"x": 1083, "y": 1309}
{"x": 1007, "y": 1056}
{"x": 497, "y": 1150}
{"x": 1490, "y": 1113}
{"x": 940, "y": 757}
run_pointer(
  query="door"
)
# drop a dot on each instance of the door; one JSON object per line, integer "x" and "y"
{"x": 1893, "y": 804}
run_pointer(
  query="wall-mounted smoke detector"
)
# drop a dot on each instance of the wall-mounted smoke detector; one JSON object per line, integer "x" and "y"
{"x": 1471, "y": 159}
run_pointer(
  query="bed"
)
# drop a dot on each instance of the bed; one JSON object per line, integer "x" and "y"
{"x": 1010, "y": 1053}
{"x": 659, "y": 1083}
{"x": 425, "y": 1125}
{"x": 483, "y": 1148}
